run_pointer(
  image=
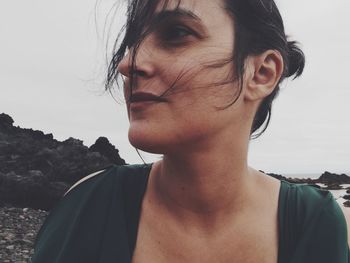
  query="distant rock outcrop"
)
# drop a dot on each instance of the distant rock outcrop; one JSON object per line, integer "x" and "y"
{"x": 292, "y": 180}
{"x": 105, "y": 148}
{"x": 36, "y": 169}
{"x": 328, "y": 177}
{"x": 332, "y": 180}
{"x": 5, "y": 120}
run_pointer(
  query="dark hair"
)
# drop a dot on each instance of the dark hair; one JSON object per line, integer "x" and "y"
{"x": 258, "y": 28}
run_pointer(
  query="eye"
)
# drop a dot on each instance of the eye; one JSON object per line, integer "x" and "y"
{"x": 175, "y": 34}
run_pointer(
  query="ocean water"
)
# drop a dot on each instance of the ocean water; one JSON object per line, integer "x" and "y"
{"x": 303, "y": 176}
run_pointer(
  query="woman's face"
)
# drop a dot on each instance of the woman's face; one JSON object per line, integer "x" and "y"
{"x": 174, "y": 62}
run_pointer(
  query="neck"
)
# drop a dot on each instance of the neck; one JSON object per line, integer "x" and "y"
{"x": 200, "y": 187}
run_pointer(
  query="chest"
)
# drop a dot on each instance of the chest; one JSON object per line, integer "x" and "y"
{"x": 253, "y": 238}
{"x": 248, "y": 244}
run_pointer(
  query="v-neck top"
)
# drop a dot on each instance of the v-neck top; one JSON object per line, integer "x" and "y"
{"x": 97, "y": 221}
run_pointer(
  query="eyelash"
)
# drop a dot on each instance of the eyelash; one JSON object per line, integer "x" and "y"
{"x": 170, "y": 34}
{"x": 166, "y": 36}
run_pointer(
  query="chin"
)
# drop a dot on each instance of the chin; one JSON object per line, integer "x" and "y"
{"x": 161, "y": 139}
{"x": 146, "y": 141}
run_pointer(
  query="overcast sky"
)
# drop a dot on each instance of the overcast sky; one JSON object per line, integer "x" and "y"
{"x": 52, "y": 66}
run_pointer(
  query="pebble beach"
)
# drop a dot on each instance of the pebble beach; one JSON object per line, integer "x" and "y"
{"x": 18, "y": 229}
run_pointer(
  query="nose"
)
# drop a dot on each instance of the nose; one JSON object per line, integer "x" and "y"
{"x": 143, "y": 67}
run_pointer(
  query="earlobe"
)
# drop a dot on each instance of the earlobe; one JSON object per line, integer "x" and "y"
{"x": 263, "y": 73}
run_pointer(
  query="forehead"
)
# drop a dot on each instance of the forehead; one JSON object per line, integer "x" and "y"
{"x": 208, "y": 11}
{"x": 198, "y": 5}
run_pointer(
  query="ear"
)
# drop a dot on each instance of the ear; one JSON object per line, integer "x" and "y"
{"x": 262, "y": 73}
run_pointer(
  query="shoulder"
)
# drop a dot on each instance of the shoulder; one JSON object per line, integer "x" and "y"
{"x": 119, "y": 173}
{"x": 87, "y": 177}
{"x": 79, "y": 218}
{"x": 314, "y": 199}
{"x": 312, "y": 208}
{"x": 95, "y": 188}
{"x": 307, "y": 196}
{"x": 317, "y": 210}
{"x": 318, "y": 222}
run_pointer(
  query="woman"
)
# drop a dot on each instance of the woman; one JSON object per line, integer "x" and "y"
{"x": 199, "y": 80}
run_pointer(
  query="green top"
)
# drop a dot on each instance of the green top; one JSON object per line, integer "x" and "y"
{"x": 97, "y": 221}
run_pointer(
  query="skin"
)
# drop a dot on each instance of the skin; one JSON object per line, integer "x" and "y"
{"x": 202, "y": 192}
{"x": 346, "y": 212}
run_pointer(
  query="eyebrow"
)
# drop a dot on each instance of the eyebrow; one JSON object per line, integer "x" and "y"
{"x": 176, "y": 13}
{"x": 163, "y": 16}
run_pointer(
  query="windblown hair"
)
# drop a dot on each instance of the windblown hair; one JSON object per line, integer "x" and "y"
{"x": 258, "y": 28}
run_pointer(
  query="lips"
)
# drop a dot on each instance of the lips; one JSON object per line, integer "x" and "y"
{"x": 144, "y": 97}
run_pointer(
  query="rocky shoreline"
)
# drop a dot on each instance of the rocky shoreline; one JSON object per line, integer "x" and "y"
{"x": 35, "y": 171}
{"x": 18, "y": 229}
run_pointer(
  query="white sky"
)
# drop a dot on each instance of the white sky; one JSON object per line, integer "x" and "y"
{"x": 52, "y": 66}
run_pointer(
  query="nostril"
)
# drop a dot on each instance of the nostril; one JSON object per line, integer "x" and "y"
{"x": 141, "y": 73}
{"x": 138, "y": 73}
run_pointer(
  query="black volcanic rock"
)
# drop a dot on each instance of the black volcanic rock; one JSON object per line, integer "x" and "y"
{"x": 5, "y": 120}
{"x": 32, "y": 190}
{"x": 292, "y": 180}
{"x": 332, "y": 178}
{"x": 346, "y": 197}
{"x": 346, "y": 203}
{"x": 104, "y": 147}
{"x": 333, "y": 186}
{"x": 6, "y": 123}
{"x": 36, "y": 169}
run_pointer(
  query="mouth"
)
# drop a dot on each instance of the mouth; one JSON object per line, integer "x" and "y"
{"x": 145, "y": 97}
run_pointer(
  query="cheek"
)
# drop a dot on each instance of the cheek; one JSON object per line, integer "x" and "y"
{"x": 199, "y": 77}
{"x": 191, "y": 115}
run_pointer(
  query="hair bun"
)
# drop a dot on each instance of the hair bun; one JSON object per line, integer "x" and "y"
{"x": 296, "y": 59}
